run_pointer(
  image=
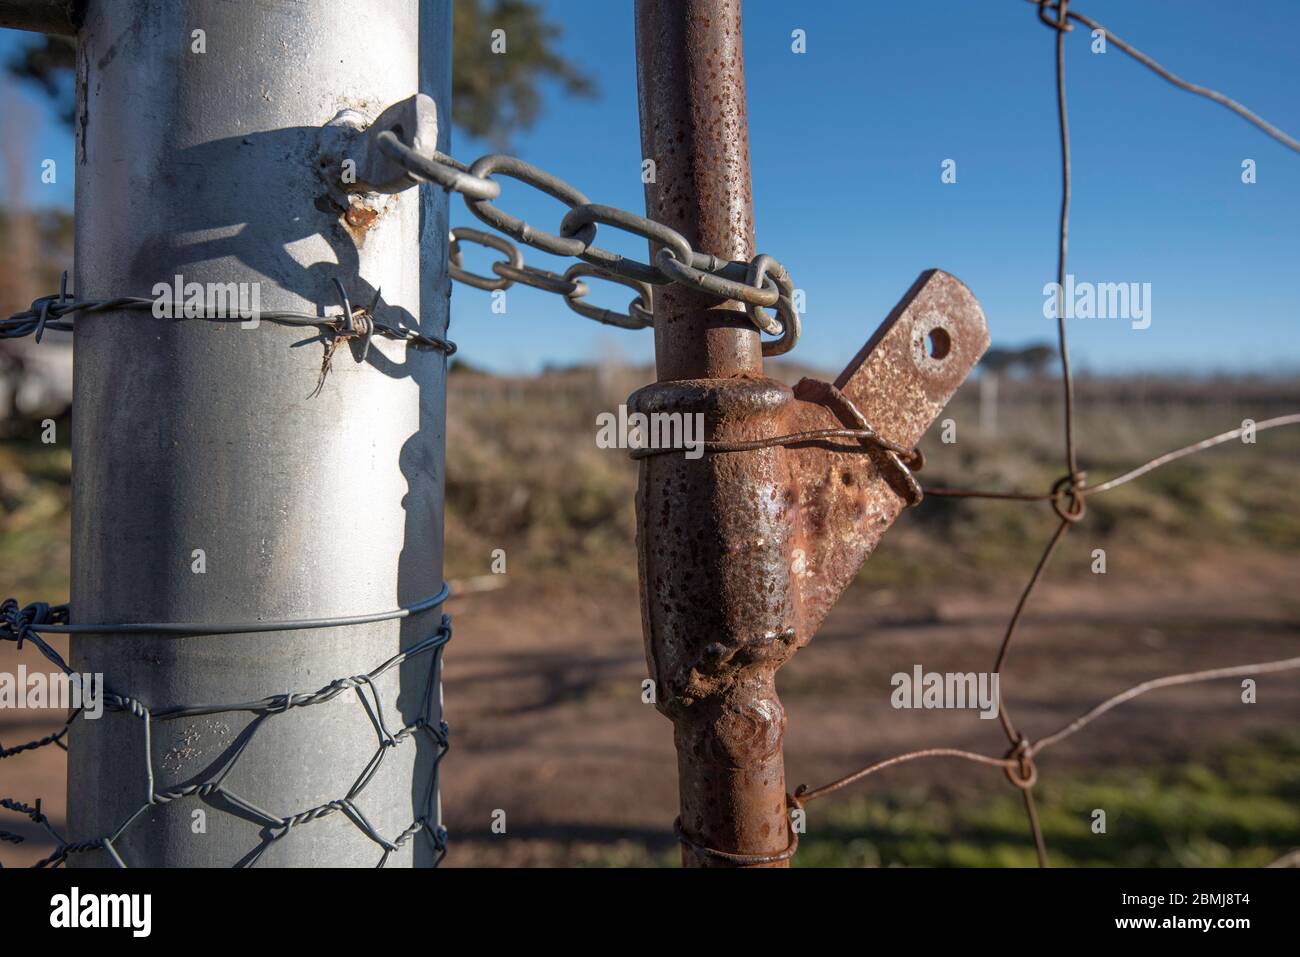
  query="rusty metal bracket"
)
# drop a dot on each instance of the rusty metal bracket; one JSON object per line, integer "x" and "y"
{"x": 900, "y": 381}
{"x": 743, "y": 553}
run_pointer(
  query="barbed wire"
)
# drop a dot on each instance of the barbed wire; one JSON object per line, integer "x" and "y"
{"x": 25, "y": 624}
{"x": 1068, "y": 495}
{"x": 351, "y": 323}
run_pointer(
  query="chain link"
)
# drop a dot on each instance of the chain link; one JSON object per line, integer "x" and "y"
{"x": 762, "y": 283}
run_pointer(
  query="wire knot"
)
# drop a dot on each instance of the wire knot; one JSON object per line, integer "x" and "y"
{"x": 1024, "y": 773}
{"x": 47, "y": 302}
{"x": 20, "y": 623}
{"x": 899, "y": 460}
{"x": 133, "y": 705}
{"x": 1068, "y": 497}
{"x": 1062, "y": 23}
{"x": 350, "y": 324}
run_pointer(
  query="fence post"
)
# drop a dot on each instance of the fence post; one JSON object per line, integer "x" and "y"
{"x": 207, "y": 486}
{"x": 743, "y": 551}
{"x": 690, "y": 71}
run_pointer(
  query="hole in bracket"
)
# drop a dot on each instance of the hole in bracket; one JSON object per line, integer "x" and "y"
{"x": 938, "y": 343}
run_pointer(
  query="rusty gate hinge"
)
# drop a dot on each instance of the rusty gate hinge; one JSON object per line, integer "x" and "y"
{"x": 744, "y": 552}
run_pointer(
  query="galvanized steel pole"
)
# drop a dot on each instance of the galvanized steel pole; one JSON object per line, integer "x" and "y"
{"x": 207, "y": 486}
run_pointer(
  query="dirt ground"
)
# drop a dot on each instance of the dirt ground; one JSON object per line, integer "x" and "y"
{"x": 543, "y": 693}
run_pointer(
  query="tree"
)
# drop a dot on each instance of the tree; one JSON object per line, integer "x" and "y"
{"x": 49, "y": 63}
{"x": 493, "y": 94}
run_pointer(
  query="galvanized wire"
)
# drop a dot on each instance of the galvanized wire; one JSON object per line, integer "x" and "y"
{"x": 1068, "y": 496}
{"x": 23, "y": 625}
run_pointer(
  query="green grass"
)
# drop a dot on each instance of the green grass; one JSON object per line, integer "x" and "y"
{"x": 1235, "y": 808}
{"x": 1230, "y": 807}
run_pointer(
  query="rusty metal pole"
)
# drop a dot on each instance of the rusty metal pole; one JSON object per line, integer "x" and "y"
{"x": 742, "y": 554}
{"x": 691, "y": 80}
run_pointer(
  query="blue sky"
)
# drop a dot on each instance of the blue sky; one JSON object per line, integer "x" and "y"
{"x": 847, "y": 142}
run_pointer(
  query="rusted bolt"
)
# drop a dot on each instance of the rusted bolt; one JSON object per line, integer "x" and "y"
{"x": 360, "y": 216}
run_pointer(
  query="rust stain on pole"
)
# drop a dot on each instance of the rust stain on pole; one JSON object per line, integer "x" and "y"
{"x": 743, "y": 553}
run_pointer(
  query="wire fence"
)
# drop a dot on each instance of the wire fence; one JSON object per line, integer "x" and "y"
{"x": 1069, "y": 495}
{"x": 24, "y": 625}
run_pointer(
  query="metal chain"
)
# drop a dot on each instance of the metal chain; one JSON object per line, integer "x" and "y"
{"x": 760, "y": 284}
{"x": 639, "y": 314}
{"x": 24, "y": 624}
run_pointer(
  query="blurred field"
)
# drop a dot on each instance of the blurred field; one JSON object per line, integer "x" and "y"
{"x": 551, "y": 494}
{"x": 543, "y": 679}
